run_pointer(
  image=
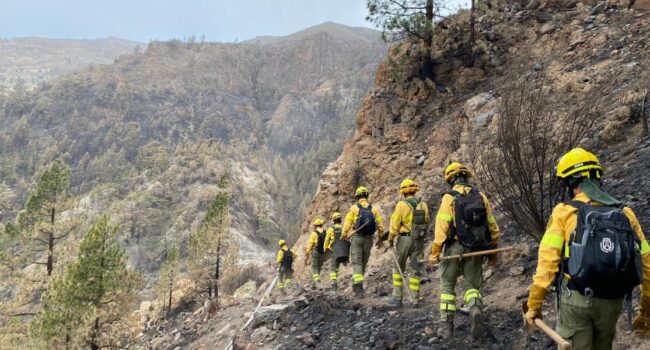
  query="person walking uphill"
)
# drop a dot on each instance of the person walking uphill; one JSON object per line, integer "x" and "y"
{"x": 316, "y": 248}
{"x": 285, "y": 261}
{"x": 595, "y": 250}
{"x": 408, "y": 226}
{"x": 464, "y": 224}
{"x": 361, "y": 223}
{"x": 333, "y": 235}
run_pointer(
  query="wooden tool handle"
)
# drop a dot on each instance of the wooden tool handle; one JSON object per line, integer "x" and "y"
{"x": 468, "y": 255}
{"x": 357, "y": 230}
{"x": 482, "y": 252}
{"x": 561, "y": 342}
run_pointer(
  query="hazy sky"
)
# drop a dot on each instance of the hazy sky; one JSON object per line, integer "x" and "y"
{"x": 142, "y": 20}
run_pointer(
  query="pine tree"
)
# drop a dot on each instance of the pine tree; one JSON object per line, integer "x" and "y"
{"x": 168, "y": 275}
{"x": 213, "y": 252}
{"x": 86, "y": 307}
{"x": 402, "y": 19}
{"x": 39, "y": 220}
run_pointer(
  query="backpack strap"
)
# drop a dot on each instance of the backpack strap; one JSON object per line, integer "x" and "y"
{"x": 453, "y": 193}
{"x": 412, "y": 205}
{"x": 576, "y": 204}
{"x": 361, "y": 206}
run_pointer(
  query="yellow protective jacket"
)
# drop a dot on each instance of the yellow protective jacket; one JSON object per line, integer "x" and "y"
{"x": 401, "y": 221}
{"x": 561, "y": 225}
{"x": 445, "y": 220}
{"x": 281, "y": 254}
{"x": 353, "y": 215}
{"x": 313, "y": 240}
{"x": 329, "y": 238}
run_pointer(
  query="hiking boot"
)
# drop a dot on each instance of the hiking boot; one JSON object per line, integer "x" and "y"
{"x": 396, "y": 303}
{"x": 446, "y": 330}
{"x": 335, "y": 287}
{"x": 476, "y": 322}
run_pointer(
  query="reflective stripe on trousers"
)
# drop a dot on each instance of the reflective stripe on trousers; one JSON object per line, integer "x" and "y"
{"x": 447, "y": 306}
{"x": 414, "y": 284}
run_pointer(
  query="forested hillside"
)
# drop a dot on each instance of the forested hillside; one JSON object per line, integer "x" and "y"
{"x": 149, "y": 137}
{"x": 27, "y": 62}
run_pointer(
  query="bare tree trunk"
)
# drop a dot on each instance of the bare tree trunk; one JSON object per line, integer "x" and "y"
{"x": 50, "y": 241}
{"x": 472, "y": 34}
{"x": 644, "y": 113}
{"x": 427, "y": 67}
{"x": 95, "y": 335}
{"x": 171, "y": 290}
{"x": 216, "y": 271}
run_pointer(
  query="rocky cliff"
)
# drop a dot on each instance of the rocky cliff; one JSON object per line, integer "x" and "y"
{"x": 408, "y": 127}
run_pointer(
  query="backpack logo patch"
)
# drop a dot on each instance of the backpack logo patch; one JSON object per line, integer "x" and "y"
{"x": 606, "y": 245}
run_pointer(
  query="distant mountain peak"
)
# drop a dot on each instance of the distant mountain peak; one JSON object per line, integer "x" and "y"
{"x": 335, "y": 30}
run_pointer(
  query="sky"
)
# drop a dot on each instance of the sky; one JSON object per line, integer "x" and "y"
{"x": 145, "y": 20}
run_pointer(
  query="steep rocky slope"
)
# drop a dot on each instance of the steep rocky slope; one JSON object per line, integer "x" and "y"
{"x": 27, "y": 62}
{"x": 407, "y": 127}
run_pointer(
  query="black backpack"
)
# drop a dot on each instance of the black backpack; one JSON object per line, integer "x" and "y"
{"x": 604, "y": 253}
{"x": 287, "y": 259}
{"x": 320, "y": 246}
{"x": 470, "y": 215}
{"x": 419, "y": 223}
{"x": 338, "y": 229}
{"x": 365, "y": 225}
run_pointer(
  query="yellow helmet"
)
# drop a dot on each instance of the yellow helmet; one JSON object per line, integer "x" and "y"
{"x": 336, "y": 215}
{"x": 361, "y": 191}
{"x": 577, "y": 163}
{"x": 456, "y": 168}
{"x": 408, "y": 186}
{"x": 318, "y": 222}
{"x": 281, "y": 243}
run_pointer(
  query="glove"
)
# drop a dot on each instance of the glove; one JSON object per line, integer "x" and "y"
{"x": 389, "y": 246}
{"x": 535, "y": 301}
{"x": 381, "y": 237}
{"x": 436, "y": 250}
{"x": 530, "y": 317}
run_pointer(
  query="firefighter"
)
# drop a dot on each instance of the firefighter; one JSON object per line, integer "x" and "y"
{"x": 285, "y": 261}
{"x": 593, "y": 225}
{"x": 361, "y": 223}
{"x": 464, "y": 224}
{"x": 333, "y": 235}
{"x": 316, "y": 249}
{"x": 408, "y": 227}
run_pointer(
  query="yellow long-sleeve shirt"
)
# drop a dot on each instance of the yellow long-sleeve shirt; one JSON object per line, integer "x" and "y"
{"x": 562, "y": 224}
{"x": 353, "y": 214}
{"x": 401, "y": 221}
{"x": 282, "y": 252}
{"x": 329, "y": 238}
{"x": 313, "y": 240}
{"x": 445, "y": 220}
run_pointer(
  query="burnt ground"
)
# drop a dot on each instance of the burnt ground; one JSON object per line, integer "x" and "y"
{"x": 328, "y": 321}
{"x": 319, "y": 319}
